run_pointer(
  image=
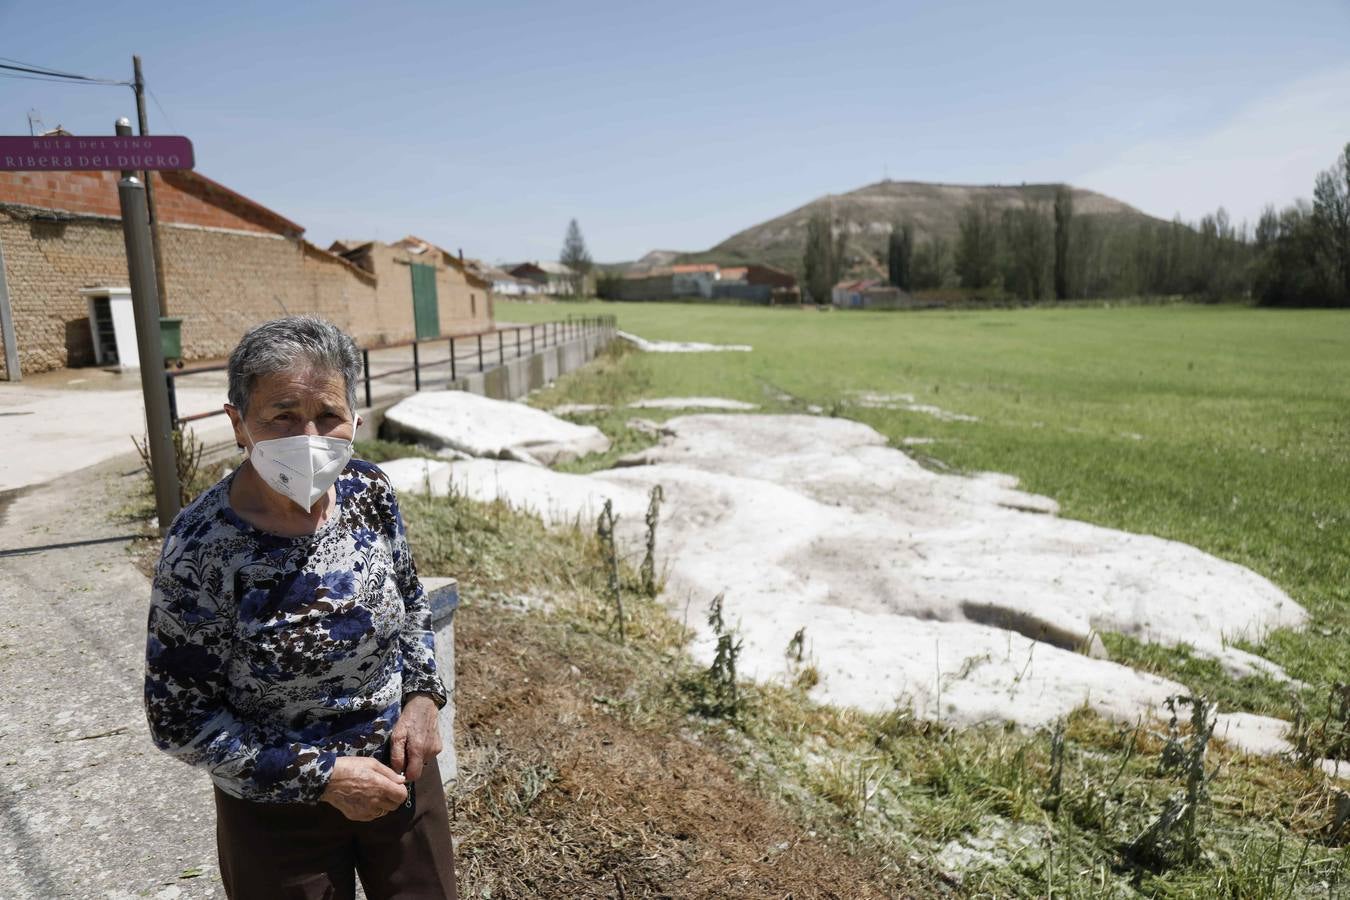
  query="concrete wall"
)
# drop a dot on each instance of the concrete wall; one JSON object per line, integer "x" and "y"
{"x": 516, "y": 378}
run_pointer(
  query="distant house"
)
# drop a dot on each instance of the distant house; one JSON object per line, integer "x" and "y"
{"x": 504, "y": 284}
{"x": 755, "y": 273}
{"x": 694, "y": 279}
{"x": 746, "y": 284}
{"x": 551, "y": 277}
{"x": 422, "y": 290}
{"x": 757, "y": 283}
{"x": 870, "y": 294}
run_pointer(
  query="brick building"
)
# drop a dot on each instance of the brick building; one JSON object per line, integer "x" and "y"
{"x": 754, "y": 273}
{"x": 229, "y": 263}
{"x": 420, "y": 290}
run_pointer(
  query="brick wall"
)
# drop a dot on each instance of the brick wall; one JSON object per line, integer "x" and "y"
{"x": 219, "y": 283}
{"x": 182, "y": 197}
{"x": 229, "y": 264}
{"x": 460, "y": 306}
{"x": 463, "y": 307}
{"x": 46, "y": 265}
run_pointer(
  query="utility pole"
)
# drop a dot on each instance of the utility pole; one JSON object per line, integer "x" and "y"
{"x": 131, "y": 193}
{"x": 139, "y": 86}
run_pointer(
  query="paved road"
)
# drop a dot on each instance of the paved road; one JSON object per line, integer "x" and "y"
{"x": 63, "y": 421}
{"x": 88, "y": 807}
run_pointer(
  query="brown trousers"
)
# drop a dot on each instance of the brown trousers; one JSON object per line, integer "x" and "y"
{"x": 294, "y": 850}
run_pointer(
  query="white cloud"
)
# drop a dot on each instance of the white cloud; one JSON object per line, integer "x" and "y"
{"x": 1269, "y": 152}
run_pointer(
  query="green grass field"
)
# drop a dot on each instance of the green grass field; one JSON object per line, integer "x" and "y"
{"x": 1224, "y": 427}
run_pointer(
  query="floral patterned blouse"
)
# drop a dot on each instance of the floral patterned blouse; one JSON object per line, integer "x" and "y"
{"x": 268, "y": 657}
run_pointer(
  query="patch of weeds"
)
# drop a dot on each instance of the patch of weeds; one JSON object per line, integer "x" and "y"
{"x": 497, "y": 551}
{"x": 1203, "y": 675}
{"x": 604, "y": 533}
{"x": 618, "y": 374}
{"x": 1326, "y": 736}
{"x": 651, "y": 585}
{"x": 1174, "y": 836}
{"x": 194, "y": 476}
{"x": 802, "y": 672}
{"x": 623, "y": 440}
{"x": 715, "y": 693}
{"x": 378, "y": 450}
{"x": 137, "y": 505}
{"x": 1049, "y": 812}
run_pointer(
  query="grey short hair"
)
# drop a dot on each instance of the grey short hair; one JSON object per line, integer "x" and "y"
{"x": 282, "y": 344}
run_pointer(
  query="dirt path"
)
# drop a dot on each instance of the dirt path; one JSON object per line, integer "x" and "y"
{"x": 88, "y": 806}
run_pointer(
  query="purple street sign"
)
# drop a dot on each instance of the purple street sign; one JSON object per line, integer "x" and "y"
{"x": 68, "y": 153}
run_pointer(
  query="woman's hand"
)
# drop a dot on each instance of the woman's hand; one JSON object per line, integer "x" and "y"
{"x": 416, "y": 737}
{"x": 363, "y": 788}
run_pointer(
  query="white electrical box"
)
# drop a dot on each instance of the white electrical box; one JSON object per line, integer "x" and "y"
{"x": 112, "y": 324}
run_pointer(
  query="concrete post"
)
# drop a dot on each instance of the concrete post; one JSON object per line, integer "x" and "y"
{"x": 145, "y": 305}
{"x": 443, "y": 596}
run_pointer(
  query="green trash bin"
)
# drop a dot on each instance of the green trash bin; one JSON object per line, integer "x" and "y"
{"x": 171, "y": 339}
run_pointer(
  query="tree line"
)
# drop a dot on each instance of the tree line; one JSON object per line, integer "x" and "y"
{"x": 1299, "y": 256}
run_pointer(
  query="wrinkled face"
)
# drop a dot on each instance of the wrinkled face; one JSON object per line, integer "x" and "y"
{"x": 305, "y": 400}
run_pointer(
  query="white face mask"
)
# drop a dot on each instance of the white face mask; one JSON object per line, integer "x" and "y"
{"x": 302, "y": 467}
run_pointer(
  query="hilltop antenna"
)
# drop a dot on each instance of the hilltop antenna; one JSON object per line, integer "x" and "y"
{"x": 34, "y": 120}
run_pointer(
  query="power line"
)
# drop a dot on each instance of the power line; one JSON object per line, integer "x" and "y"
{"x": 46, "y": 69}
{"x": 17, "y": 77}
{"x": 160, "y": 107}
{"x": 39, "y": 73}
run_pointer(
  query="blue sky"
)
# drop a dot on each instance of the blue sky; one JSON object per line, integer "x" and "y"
{"x": 488, "y": 126}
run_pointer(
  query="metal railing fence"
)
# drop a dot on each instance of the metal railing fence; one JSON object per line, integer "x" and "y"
{"x": 541, "y": 335}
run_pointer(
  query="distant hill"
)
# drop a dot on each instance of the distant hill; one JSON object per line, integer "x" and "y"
{"x": 869, "y": 213}
{"x": 655, "y": 259}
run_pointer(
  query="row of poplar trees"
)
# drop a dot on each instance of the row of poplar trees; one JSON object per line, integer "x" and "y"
{"x": 1297, "y": 257}
{"x": 1025, "y": 251}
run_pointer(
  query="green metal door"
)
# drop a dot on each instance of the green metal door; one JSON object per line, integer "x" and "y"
{"x": 426, "y": 317}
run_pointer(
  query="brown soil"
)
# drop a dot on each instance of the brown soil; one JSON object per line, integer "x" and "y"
{"x": 562, "y": 796}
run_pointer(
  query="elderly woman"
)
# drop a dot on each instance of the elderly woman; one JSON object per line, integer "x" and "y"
{"x": 290, "y": 651}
